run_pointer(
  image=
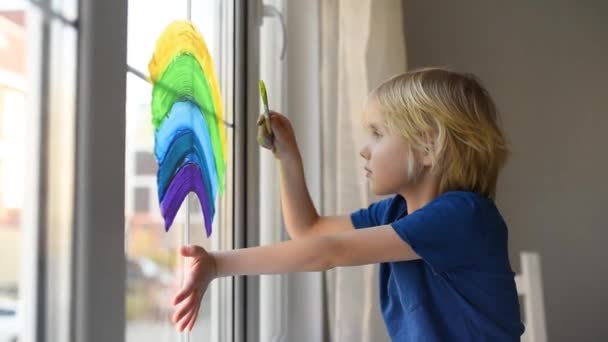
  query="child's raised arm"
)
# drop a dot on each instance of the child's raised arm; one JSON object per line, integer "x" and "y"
{"x": 300, "y": 215}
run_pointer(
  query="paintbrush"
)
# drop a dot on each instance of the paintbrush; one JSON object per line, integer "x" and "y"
{"x": 265, "y": 138}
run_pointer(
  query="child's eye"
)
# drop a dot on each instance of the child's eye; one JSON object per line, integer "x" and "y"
{"x": 376, "y": 134}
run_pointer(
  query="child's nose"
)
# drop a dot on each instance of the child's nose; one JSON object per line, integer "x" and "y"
{"x": 364, "y": 153}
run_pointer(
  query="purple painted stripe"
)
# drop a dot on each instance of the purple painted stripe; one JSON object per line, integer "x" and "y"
{"x": 187, "y": 179}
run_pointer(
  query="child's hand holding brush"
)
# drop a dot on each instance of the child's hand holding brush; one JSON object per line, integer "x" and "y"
{"x": 276, "y": 133}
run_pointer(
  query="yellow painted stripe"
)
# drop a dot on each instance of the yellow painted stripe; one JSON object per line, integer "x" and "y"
{"x": 182, "y": 37}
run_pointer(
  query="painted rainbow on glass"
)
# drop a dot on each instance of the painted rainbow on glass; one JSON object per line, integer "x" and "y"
{"x": 188, "y": 120}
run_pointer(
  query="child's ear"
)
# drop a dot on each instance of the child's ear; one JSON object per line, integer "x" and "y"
{"x": 428, "y": 151}
{"x": 427, "y": 157}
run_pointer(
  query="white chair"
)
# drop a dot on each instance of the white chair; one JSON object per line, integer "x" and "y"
{"x": 530, "y": 287}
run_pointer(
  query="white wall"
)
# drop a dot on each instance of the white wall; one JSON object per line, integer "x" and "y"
{"x": 545, "y": 63}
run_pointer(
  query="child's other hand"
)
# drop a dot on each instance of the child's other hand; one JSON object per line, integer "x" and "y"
{"x": 282, "y": 141}
{"x": 200, "y": 271}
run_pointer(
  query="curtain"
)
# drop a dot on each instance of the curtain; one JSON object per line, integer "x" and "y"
{"x": 362, "y": 43}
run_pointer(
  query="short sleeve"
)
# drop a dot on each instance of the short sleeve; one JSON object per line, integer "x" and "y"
{"x": 372, "y": 215}
{"x": 449, "y": 232}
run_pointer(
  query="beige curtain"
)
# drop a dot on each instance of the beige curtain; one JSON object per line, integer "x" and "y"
{"x": 362, "y": 43}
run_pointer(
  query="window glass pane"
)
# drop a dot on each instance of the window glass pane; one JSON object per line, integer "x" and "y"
{"x": 24, "y": 65}
{"x": 145, "y": 164}
{"x": 142, "y": 200}
{"x": 213, "y": 19}
{"x": 151, "y": 258}
{"x": 13, "y": 93}
{"x": 147, "y": 19}
{"x": 154, "y": 268}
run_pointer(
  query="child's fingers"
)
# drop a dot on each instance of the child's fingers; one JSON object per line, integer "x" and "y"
{"x": 264, "y": 138}
{"x": 188, "y": 289}
{"x": 183, "y": 319}
{"x": 268, "y": 124}
{"x": 185, "y": 308}
{"x": 267, "y": 141}
{"x": 281, "y": 126}
{"x": 192, "y": 251}
{"x": 274, "y": 114}
{"x": 194, "y": 317}
{"x": 179, "y": 312}
{"x": 182, "y": 294}
{"x": 262, "y": 120}
{"x": 183, "y": 323}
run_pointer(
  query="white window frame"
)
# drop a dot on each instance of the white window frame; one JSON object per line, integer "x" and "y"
{"x": 99, "y": 258}
{"x": 291, "y": 306}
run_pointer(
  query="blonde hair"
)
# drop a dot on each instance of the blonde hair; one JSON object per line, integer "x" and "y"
{"x": 450, "y": 116}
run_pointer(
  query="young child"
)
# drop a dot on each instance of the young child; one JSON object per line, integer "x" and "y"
{"x": 435, "y": 146}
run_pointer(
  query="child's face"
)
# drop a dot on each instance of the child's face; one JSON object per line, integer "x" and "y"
{"x": 385, "y": 153}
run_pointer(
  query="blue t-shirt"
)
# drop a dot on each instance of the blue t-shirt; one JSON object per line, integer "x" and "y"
{"x": 463, "y": 288}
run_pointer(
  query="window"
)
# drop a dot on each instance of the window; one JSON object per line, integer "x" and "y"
{"x": 153, "y": 263}
{"x": 65, "y": 287}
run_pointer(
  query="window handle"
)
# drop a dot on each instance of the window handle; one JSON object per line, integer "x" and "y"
{"x": 270, "y": 11}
